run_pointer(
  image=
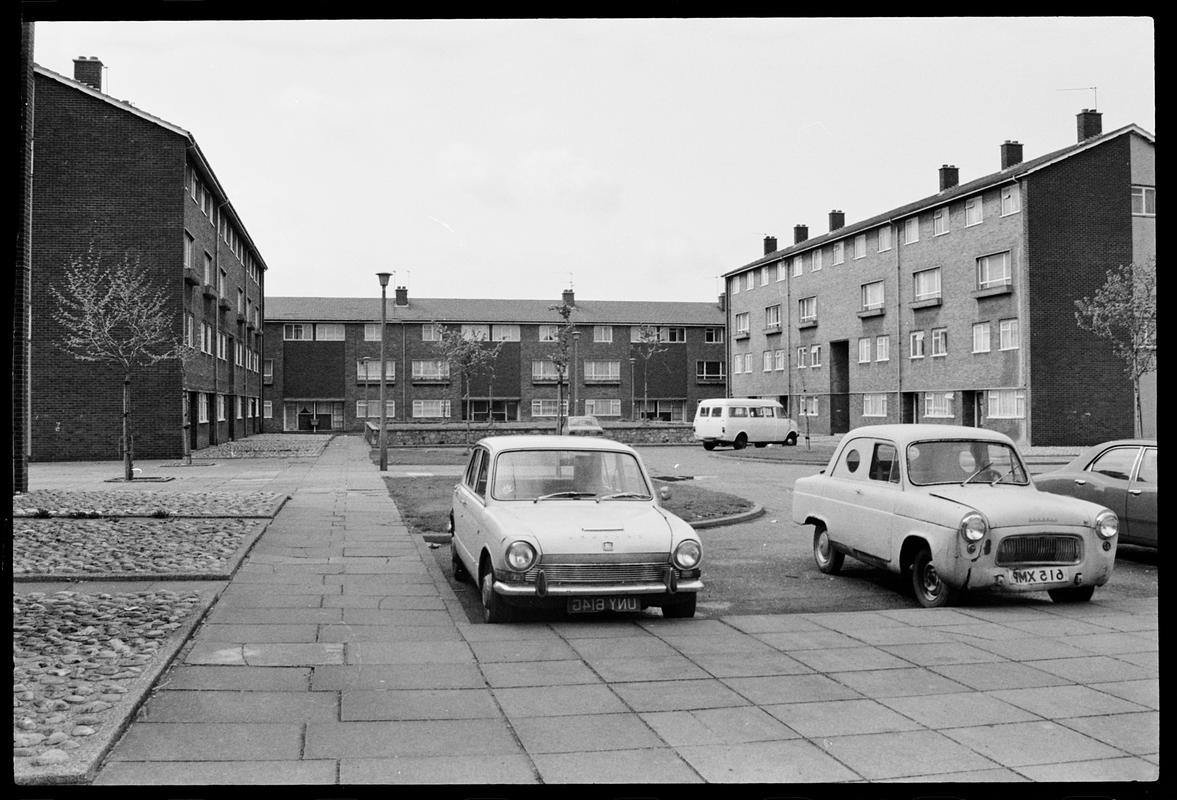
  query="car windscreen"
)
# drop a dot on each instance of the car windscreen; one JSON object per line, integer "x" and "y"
{"x": 568, "y": 474}
{"x": 960, "y": 460}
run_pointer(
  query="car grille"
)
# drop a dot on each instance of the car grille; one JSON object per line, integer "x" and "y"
{"x": 603, "y": 568}
{"x": 1040, "y": 549}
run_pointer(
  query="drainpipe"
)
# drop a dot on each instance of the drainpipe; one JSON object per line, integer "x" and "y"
{"x": 898, "y": 318}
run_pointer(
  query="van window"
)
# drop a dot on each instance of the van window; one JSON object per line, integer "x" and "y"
{"x": 739, "y": 411}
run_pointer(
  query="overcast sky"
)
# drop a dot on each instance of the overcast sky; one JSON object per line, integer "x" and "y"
{"x": 632, "y": 159}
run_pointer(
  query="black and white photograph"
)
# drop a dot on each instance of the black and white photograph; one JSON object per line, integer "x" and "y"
{"x": 645, "y": 406}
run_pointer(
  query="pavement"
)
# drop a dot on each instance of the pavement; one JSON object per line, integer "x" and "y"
{"x": 339, "y": 654}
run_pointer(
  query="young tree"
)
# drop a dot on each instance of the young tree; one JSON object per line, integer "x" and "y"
{"x": 1124, "y": 312}
{"x": 648, "y": 345}
{"x": 115, "y": 315}
{"x": 561, "y": 357}
{"x": 470, "y": 355}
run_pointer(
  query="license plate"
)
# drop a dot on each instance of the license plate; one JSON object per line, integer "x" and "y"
{"x": 1039, "y": 575}
{"x": 592, "y": 605}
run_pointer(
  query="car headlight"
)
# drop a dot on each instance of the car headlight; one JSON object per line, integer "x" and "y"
{"x": 520, "y": 556}
{"x": 688, "y": 554}
{"x": 1107, "y": 524}
{"x": 973, "y": 526}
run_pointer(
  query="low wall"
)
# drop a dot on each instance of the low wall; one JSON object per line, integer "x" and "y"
{"x": 426, "y": 434}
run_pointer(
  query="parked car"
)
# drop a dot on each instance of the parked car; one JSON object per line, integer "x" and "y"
{"x": 584, "y": 426}
{"x": 573, "y": 523}
{"x": 1121, "y": 475}
{"x": 953, "y": 508}
{"x": 740, "y": 421}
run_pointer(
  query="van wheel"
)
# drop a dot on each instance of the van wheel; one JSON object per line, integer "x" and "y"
{"x": 930, "y": 589}
{"x": 828, "y": 559}
{"x": 1071, "y": 594}
{"x": 709, "y": 446}
{"x": 741, "y": 442}
{"x": 791, "y": 439}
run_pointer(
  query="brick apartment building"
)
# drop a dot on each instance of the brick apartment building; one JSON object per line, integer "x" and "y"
{"x": 322, "y": 361}
{"x": 958, "y": 307}
{"x": 113, "y": 179}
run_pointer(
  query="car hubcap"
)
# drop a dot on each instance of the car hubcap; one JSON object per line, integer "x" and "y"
{"x": 823, "y": 548}
{"x": 931, "y": 581}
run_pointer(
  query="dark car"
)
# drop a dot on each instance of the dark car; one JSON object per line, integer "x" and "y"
{"x": 1121, "y": 475}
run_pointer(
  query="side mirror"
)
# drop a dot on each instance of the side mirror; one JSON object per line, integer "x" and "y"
{"x": 664, "y": 493}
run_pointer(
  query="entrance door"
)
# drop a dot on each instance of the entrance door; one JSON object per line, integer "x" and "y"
{"x": 839, "y": 386}
{"x": 970, "y": 415}
{"x": 306, "y": 417}
{"x": 909, "y": 406}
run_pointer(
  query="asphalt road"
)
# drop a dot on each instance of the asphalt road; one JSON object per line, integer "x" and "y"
{"x": 766, "y": 566}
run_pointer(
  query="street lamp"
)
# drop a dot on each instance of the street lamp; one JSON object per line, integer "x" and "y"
{"x": 383, "y": 276}
{"x": 572, "y": 391}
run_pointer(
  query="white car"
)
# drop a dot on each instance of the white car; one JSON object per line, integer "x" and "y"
{"x": 954, "y": 507}
{"x": 743, "y": 421}
{"x": 573, "y": 523}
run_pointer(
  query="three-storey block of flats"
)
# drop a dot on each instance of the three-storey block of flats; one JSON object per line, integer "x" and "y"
{"x": 959, "y": 307}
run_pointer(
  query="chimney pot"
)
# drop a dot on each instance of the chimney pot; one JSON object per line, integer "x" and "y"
{"x": 1088, "y": 123}
{"x": 837, "y": 219}
{"x": 800, "y": 233}
{"x": 88, "y": 71}
{"x": 769, "y": 244}
{"x": 949, "y": 176}
{"x": 1011, "y": 154}
{"x": 723, "y": 301}
{"x": 402, "y": 296}
{"x": 569, "y": 298}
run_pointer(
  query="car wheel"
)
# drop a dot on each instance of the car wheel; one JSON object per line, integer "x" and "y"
{"x": 828, "y": 559}
{"x": 681, "y": 609}
{"x": 494, "y": 610}
{"x": 460, "y": 573}
{"x": 741, "y": 442}
{"x": 1071, "y": 594}
{"x": 930, "y": 590}
{"x": 791, "y": 439}
{"x": 709, "y": 446}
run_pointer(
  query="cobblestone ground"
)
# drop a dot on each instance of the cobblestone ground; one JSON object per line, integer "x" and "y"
{"x": 268, "y": 445}
{"x": 60, "y": 503}
{"x": 73, "y": 655}
{"x": 73, "y": 548}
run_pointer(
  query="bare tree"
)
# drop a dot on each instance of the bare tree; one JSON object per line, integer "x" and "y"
{"x": 115, "y": 315}
{"x": 649, "y": 344}
{"x": 561, "y": 357}
{"x": 1124, "y": 312}
{"x": 471, "y": 355}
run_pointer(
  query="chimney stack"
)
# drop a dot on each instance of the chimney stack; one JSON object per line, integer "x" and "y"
{"x": 569, "y": 298}
{"x": 949, "y": 176}
{"x": 837, "y": 219}
{"x": 1089, "y": 123}
{"x": 723, "y": 301}
{"x": 769, "y": 244}
{"x": 402, "y": 296}
{"x": 1011, "y": 154}
{"x": 88, "y": 70}
{"x": 800, "y": 233}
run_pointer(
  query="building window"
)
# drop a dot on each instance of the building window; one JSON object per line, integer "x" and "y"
{"x": 748, "y": 363}
{"x": 329, "y": 332}
{"x": 815, "y": 356}
{"x": 367, "y": 409}
{"x": 189, "y": 251}
{"x": 1008, "y": 335}
{"x": 874, "y": 405}
{"x": 1007, "y": 404}
{"x": 709, "y": 371}
{"x": 911, "y": 230}
{"x": 268, "y": 370}
{"x": 189, "y": 330}
{"x": 916, "y": 344}
{"x": 475, "y": 333}
{"x": 767, "y": 361}
{"x": 736, "y": 284}
{"x": 222, "y": 347}
{"x": 369, "y": 370}
{"x": 798, "y": 266}
{"x": 430, "y": 332}
{"x": 672, "y": 334}
{"x": 882, "y": 348}
{"x": 296, "y": 332}
{"x": 743, "y": 323}
{"x": 240, "y": 301}
{"x": 268, "y": 409}
{"x": 994, "y": 271}
{"x": 602, "y": 371}
{"x": 940, "y": 221}
{"x": 239, "y": 354}
{"x": 222, "y": 279}
{"x": 430, "y": 409}
{"x": 807, "y": 309}
{"x": 604, "y": 333}
{"x": 864, "y": 350}
{"x": 872, "y": 295}
{"x": 884, "y": 238}
{"x": 808, "y": 406}
{"x": 772, "y": 317}
{"x": 237, "y": 404}
{"x": 763, "y": 276}
{"x": 802, "y": 357}
{"x": 779, "y": 357}
{"x": 927, "y": 284}
{"x": 782, "y": 270}
{"x": 713, "y": 335}
{"x": 220, "y": 408}
{"x": 981, "y": 337}
{"x": 544, "y": 370}
{"x": 431, "y": 370}
{"x": 208, "y": 269}
{"x": 206, "y": 338}
{"x": 371, "y": 331}
{"x": 859, "y": 246}
{"x": 839, "y": 252}
{"x": 549, "y": 333}
{"x": 602, "y": 407}
{"x": 547, "y": 408}
{"x": 737, "y": 364}
{"x": 504, "y": 333}
{"x": 201, "y": 407}
{"x": 1144, "y": 201}
{"x": 1011, "y": 199}
{"x": 939, "y": 342}
{"x": 974, "y": 211}
{"x": 938, "y": 405}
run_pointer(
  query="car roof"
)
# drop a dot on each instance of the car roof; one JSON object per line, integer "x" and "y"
{"x": 904, "y": 433}
{"x": 740, "y": 401}
{"x": 1090, "y": 452}
{"x": 497, "y": 444}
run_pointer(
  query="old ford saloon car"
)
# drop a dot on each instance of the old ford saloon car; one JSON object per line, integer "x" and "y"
{"x": 955, "y": 509}
{"x": 571, "y": 523}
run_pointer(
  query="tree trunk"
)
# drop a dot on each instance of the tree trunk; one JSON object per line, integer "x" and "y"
{"x": 128, "y": 468}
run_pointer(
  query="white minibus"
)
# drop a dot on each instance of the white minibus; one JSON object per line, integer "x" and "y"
{"x": 741, "y": 421}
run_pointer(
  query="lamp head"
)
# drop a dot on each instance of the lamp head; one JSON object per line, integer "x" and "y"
{"x": 384, "y": 276}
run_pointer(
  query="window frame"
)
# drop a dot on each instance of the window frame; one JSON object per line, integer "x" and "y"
{"x": 918, "y": 276}
{"x": 983, "y": 268}
{"x": 987, "y": 329}
{"x": 976, "y": 202}
{"x": 865, "y": 302}
{"x": 916, "y": 338}
{"x": 1013, "y": 325}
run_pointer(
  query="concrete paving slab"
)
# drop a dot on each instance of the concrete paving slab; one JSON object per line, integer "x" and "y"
{"x": 1069, "y": 700}
{"x": 239, "y": 706}
{"x": 345, "y": 632}
{"x": 1094, "y": 669}
{"x": 390, "y": 616}
{"x": 1106, "y": 770}
{"x": 790, "y": 641}
{"x": 397, "y": 676}
{"x": 957, "y": 710}
{"x": 1138, "y": 733}
{"x": 423, "y": 704}
{"x": 473, "y": 770}
{"x": 998, "y": 675}
{"x": 938, "y": 654}
{"x": 845, "y": 659}
{"x": 711, "y": 726}
{"x": 409, "y": 653}
{"x": 229, "y": 615}
{"x": 772, "y": 623}
{"x": 508, "y": 674}
{"x": 548, "y": 701}
{"x": 902, "y": 635}
{"x": 262, "y": 633}
{"x": 650, "y": 668}
{"x": 654, "y": 766}
{"x": 897, "y": 682}
{"x": 840, "y": 718}
{"x": 274, "y": 679}
{"x": 807, "y": 688}
{"x": 395, "y": 739}
{"x": 527, "y": 650}
{"x": 210, "y": 741}
{"x": 582, "y": 733}
{"x": 784, "y": 762}
{"x": 292, "y": 772}
{"x": 1022, "y": 744}
{"x": 1028, "y": 649}
{"x": 744, "y": 665}
{"x": 881, "y": 756}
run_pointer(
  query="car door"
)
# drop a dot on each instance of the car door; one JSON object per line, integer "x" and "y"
{"x": 1140, "y": 513}
{"x": 1105, "y": 480}
{"x": 467, "y": 505}
{"x": 863, "y": 496}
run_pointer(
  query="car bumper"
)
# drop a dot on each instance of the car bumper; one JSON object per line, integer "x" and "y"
{"x": 595, "y": 589}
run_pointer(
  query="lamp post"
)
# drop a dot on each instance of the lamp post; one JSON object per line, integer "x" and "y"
{"x": 383, "y": 276}
{"x": 632, "y": 411}
{"x": 572, "y": 389}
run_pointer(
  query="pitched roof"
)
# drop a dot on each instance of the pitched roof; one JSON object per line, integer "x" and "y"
{"x": 433, "y": 309}
{"x": 941, "y": 198}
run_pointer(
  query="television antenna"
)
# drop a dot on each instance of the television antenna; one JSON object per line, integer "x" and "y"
{"x": 1092, "y": 89}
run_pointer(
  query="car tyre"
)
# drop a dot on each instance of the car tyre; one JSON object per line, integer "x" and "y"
{"x": 930, "y": 589}
{"x": 708, "y": 446}
{"x": 494, "y": 610}
{"x": 1071, "y": 594}
{"x": 741, "y": 442}
{"x": 681, "y": 609}
{"x": 460, "y": 573}
{"x": 828, "y": 559}
{"x": 791, "y": 439}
